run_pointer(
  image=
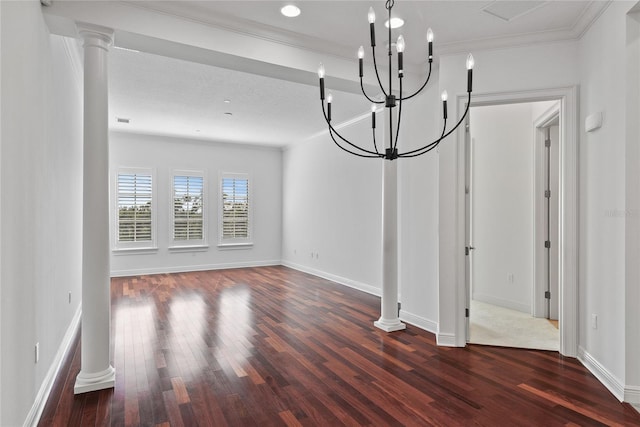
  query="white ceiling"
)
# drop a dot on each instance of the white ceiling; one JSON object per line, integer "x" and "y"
{"x": 168, "y": 96}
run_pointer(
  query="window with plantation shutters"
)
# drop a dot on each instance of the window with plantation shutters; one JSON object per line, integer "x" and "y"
{"x": 236, "y": 209}
{"x": 188, "y": 207}
{"x": 135, "y": 209}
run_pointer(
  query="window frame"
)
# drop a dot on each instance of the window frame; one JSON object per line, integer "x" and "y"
{"x": 146, "y": 245}
{"x": 235, "y": 242}
{"x": 188, "y": 244}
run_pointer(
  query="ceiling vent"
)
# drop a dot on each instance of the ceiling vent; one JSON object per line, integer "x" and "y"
{"x": 122, "y": 120}
{"x": 510, "y": 10}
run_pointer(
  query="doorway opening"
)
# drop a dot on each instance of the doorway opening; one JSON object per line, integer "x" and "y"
{"x": 512, "y": 224}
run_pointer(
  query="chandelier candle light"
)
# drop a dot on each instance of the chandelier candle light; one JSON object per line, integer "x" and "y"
{"x": 389, "y": 319}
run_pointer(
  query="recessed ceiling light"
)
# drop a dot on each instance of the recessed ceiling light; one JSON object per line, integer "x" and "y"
{"x": 227, "y": 101}
{"x": 395, "y": 23}
{"x": 290, "y": 11}
{"x": 228, "y": 114}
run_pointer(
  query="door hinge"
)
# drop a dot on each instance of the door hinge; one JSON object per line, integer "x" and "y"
{"x": 547, "y": 244}
{"x": 466, "y": 250}
{"x": 466, "y": 312}
{"x": 547, "y": 294}
{"x": 547, "y": 194}
{"x": 547, "y": 143}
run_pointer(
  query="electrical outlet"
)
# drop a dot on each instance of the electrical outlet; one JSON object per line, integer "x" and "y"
{"x": 511, "y": 278}
{"x": 37, "y": 352}
{"x": 594, "y": 321}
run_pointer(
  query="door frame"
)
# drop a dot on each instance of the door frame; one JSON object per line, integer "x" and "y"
{"x": 568, "y": 201}
{"x": 538, "y": 301}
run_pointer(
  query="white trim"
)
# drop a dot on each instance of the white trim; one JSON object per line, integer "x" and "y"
{"x": 33, "y": 417}
{"x": 338, "y": 279}
{"x": 419, "y": 321}
{"x": 136, "y": 251}
{"x": 232, "y": 246}
{"x": 446, "y": 340}
{"x": 188, "y": 268}
{"x": 610, "y": 381}
{"x": 632, "y": 395}
{"x": 539, "y": 304}
{"x": 501, "y": 302}
{"x": 313, "y": 44}
{"x": 188, "y": 248}
{"x": 568, "y": 226}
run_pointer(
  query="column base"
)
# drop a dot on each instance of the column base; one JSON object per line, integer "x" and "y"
{"x": 92, "y": 382}
{"x": 389, "y": 325}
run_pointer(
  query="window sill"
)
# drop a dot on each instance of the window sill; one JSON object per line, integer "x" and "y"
{"x": 232, "y": 246}
{"x": 189, "y": 248}
{"x": 135, "y": 251}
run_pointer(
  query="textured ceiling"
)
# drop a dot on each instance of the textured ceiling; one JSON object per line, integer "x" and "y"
{"x": 168, "y": 96}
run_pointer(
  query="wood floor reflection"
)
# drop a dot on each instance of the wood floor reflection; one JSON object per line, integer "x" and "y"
{"x": 273, "y": 346}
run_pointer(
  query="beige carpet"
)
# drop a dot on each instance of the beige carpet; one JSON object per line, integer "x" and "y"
{"x": 493, "y": 325}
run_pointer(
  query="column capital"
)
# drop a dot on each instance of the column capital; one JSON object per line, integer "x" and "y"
{"x": 95, "y": 35}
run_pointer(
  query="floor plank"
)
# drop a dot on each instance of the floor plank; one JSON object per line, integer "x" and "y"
{"x": 272, "y": 346}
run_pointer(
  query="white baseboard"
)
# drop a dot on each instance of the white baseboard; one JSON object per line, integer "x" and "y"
{"x": 419, "y": 321}
{"x": 513, "y": 305}
{"x": 340, "y": 280}
{"x": 187, "y": 268}
{"x": 613, "y": 384}
{"x": 632, "y": 395}
{"x": 33, "y": 417}
{"x": 446, "y": 340}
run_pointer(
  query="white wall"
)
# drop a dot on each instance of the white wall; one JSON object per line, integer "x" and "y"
{"x": 332, "y": 209}
{"x": 418, "y": 204}
{"x": 603, "y": 210}
{"x": 503, "y": 209}
{"x": 632, "y": 232}
{"x": 40, "y": 216}
{"x": 497, "y": 71}
{"x": 165, "y": 154}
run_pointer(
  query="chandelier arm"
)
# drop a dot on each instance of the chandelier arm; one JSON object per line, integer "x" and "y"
{"x": 395, "y": 144}
{"x": 375, "y": 146}
{"x": 331, "y": 129}
{"x": 421, "y": 87}
{"x": 375, "y": 67}
{"x": 351, "y": 152}
{"x": 466, "y": 111}
{"x": 367, "y": 96}
{"x": 428, "y": 146}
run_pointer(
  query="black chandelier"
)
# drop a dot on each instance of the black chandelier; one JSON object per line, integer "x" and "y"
{"x": 390, "y": 100}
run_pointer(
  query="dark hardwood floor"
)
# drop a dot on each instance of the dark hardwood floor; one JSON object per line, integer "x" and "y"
{"x": 273, "y": 346}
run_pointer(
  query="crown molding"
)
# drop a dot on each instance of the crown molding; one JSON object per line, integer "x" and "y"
{"x": 193, "y": 12}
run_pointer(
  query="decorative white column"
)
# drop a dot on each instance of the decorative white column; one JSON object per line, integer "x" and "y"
{"x": 96, "y": 372}
{"x": 389, "y": 320}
